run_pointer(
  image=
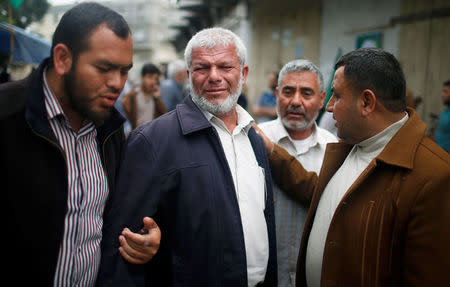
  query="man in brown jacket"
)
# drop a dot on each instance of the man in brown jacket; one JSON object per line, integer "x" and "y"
{"x": 380, "y": 208}
{"x": 143, "y": 103}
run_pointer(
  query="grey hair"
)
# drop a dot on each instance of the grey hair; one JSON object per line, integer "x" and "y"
{"x": 299, "y": 66}
{"x": 174, "y": 67}
{"x": 213, "y": 37}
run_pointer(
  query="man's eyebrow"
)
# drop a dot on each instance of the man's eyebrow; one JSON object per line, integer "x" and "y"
{"x": 113, "y": 65}
{"x": 307, "y": 89}
{"x": 206, "y": 63}
{"x": 287, "y": 87}
{"x": 226, "y": 62}
{"x": 128, "y": 67}
{"x": 200, "y": 64}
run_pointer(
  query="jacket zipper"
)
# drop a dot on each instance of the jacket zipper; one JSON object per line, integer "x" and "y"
{"x": 49, "y": 141}
{"x": 104, "y": 155}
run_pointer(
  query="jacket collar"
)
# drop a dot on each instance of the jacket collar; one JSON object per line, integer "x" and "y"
{"x": 399, "y": 151}
{"x": 191, "y": 117}
{"x": 402, "y": 147}
{"x": 36, "y": 114}
{"x": 192, "y": 120}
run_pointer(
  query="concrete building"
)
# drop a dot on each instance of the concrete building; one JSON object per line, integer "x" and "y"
{"x": 148, "y": 21}
{"x": 417, "y": 32}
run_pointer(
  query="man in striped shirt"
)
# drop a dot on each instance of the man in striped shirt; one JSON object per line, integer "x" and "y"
{"x": 61, "y": 152}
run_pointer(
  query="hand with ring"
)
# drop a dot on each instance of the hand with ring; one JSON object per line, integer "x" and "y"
{"x": 140, "y": 247}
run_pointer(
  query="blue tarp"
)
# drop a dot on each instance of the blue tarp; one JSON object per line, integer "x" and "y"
{"x": 28, "y": 48}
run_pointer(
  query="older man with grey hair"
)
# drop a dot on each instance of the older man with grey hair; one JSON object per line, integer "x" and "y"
{"x": 172, "y": 87}
{"x": 201, "y": 172}
{"x": 300, "y": 96}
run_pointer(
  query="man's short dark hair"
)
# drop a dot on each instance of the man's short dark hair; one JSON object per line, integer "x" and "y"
{"x": 78, "y": 23}
{"x": 150, "y": 69}
{"x": 379, "y": 71}
{"x": 447, "y": 83}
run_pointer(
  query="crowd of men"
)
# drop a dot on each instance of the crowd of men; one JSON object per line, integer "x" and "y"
{"x": 197, "y": 194}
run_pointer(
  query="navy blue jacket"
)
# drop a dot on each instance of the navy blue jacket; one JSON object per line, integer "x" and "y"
{"x": 175, "y": 171}
{"x": 34, "y": 179}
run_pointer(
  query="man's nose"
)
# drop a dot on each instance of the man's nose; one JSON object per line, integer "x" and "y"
{"x": 297, "y": 99}
{"x": 116, "y": 80}
{"x": 214, "y": 74}
{"x": 330, "y": 105}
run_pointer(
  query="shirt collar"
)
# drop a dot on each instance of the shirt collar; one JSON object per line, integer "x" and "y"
{"x": 282, "y": 134}
{"x": 380, "y": 140}
{"x": 244, "y": 123}
{"x": 52, "y": 105}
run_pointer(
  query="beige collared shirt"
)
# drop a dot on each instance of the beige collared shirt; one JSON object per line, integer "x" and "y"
{"x": 249, "y": 183}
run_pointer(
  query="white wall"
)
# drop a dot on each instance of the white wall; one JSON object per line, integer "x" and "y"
{"x": 238, "y": 22}
{"x": 343, "y": 20}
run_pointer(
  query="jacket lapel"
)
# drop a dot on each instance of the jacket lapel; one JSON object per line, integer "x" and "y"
{"x": 190, "y": 117}
{"x": 413, "y": 129}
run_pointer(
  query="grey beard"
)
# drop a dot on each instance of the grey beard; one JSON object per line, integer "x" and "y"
{"x": 298, "y": 126}
{"x": 216, "y": 109}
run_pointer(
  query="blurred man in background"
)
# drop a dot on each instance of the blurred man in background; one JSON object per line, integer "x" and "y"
{"x": 143, "y": 103}
{"x": 442, "y": 134}
{"x": 172, "y": 88}
{"x": 300, "y": 96}
{"x": 265, "y": 108}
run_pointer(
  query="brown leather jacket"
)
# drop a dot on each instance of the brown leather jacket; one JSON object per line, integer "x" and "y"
{"x": 392, "y": 228}
{"x": 130, "y": 108}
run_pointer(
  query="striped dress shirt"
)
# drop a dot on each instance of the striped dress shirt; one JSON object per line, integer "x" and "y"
{"x": 79, "y": 252}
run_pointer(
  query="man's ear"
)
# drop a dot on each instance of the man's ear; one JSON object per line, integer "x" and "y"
{"x": 244, "y": 74}
{"x": 62, "y": 59}
{"x": 368, "y": 101}
{"x": 322, "y": 98}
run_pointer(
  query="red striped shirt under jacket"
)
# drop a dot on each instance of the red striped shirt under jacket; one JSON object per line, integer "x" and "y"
{"x": 79, "y": 252}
